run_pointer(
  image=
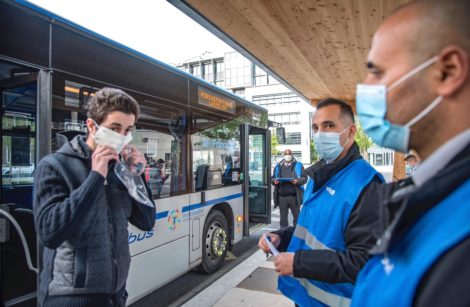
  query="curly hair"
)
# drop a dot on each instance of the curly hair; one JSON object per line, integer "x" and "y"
{"x": 108, "y": 100}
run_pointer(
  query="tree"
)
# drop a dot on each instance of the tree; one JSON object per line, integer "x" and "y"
{"x": 274, "y": 144}
{"x": 363, "y": 141}
{"x": 313, "y": 152}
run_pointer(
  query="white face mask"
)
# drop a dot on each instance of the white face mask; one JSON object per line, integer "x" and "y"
{"x": 106, "y": 136}
{"x": 288, "y": 158}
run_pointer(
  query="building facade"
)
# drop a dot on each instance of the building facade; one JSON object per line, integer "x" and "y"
{"x": 235, "y": 73}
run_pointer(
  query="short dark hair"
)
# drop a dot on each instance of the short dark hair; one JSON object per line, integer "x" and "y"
{"x": 345, "y": 109}
{"x": 108, "y": 100}
{"x": 410, "y": 158}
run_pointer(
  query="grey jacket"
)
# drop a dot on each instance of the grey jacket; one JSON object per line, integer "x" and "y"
{"x": 82, "y": 221}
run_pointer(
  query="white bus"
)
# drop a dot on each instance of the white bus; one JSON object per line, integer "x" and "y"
{"x": 208, "y": 150}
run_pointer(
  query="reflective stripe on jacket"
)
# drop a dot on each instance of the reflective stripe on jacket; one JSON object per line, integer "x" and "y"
{"x": 322, "y": 222}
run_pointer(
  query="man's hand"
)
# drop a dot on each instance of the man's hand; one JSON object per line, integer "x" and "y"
{"x": 294, "y": 181}
{"x": 134, "y": 158}
{"x": 101, "y": 157}
{"x": 276, "y": 182}
{"x": 275, "y": 240}
{"x": 284, "y": 263}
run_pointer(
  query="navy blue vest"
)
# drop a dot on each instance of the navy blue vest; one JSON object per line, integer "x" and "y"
{"x": 322, "y": 222}
{"x": 393, "y": 281}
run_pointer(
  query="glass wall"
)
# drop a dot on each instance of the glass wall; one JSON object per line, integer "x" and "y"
{"x": 276, "y": 99}
{"x": 196, "y": 70}
{"x": 208, "y": 72}
{"x": 238, "y": 70}
{"x": 260, "y": 77}
{"x": 293, "y": 138}
{"x": 219, "y": 73}
{"x": 290, "y": 118}
{"x": 297, "y": 155}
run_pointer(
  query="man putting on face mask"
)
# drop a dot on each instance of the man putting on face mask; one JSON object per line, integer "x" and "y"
{"x": 417, "y": 96}
{"x": 329, "y": 245}
{"x": 82, "y": 209}
{"x": 288, "y": 180}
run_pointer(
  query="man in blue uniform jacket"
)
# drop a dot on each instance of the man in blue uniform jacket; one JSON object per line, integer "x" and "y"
{"x": 329, "y": 245}
{"x": 417, "y": 96}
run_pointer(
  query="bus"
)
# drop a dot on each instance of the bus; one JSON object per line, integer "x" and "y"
{"x": 208, "y": 150}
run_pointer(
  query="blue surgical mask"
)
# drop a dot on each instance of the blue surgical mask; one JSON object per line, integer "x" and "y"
{"x": 371, "y": 106}
{"x": 328, "y": 144}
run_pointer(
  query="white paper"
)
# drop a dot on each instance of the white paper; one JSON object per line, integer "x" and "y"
{"x": 272, "y": 248}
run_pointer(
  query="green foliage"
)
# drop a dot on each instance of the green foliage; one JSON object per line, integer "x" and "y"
{"x": 363, "y": 141}
{"x": 313, "y": 152}
{"x": 230, "y": 130}
{"x": 274, "y": 144}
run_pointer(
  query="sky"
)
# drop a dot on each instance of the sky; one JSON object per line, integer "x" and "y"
{"x": 153, "y": 27}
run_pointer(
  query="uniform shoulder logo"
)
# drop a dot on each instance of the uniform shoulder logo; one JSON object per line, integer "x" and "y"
{"x": 331, "y": 191}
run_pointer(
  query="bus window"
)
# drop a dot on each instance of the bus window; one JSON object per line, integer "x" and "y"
{"x": 216, "y": 152}
{"x": 69, "y": 113}
{"x": 18, "y": 136}
{"x": 161, "y": 135}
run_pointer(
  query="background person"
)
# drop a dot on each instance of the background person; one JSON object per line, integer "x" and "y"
{"x": 159, "y": 177}
{"x": 288, "y": 194}
{"x": 410, "y": 164}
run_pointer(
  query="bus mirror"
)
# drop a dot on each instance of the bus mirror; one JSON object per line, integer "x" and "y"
{"x": 281, "y": 135}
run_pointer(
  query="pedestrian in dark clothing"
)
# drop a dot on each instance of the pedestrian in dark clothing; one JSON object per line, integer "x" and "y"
{"x": 288, "y": 180}
{"x": 82, "y": 209}
{"x": 416, "y": 96}
{"x": 159, "y": 177}
{"x": 321, "y": 257}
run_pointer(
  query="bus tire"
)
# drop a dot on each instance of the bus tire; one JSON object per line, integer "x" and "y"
{"x": 215, "y": 242}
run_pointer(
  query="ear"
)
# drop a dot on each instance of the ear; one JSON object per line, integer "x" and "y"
{"x": 352, "y": 131}
{"x": 453, "y": 70}
{"x": 90, "y": 125}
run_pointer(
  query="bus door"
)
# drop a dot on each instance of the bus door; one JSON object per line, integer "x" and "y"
{"x": 18, "y": 246}
{"x": 256, "y": 157}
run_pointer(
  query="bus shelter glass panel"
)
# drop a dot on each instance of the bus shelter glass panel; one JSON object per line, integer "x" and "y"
{"x": 216, "y": 152}
{"x": 18, "y": 92}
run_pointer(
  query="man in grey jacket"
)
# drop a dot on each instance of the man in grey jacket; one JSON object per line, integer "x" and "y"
{"x": 82, "y": 209}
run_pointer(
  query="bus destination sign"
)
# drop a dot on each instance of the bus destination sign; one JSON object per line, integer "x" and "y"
{"x": 212, "y": 100}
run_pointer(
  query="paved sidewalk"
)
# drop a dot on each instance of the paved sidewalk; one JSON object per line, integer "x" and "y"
{"x": 252, "y": 283}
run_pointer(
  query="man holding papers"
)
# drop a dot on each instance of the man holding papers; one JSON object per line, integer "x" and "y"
{"x": 320, "y": 258}
{"x": 288, "y": 180}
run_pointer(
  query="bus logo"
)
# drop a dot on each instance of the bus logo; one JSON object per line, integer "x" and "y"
{"x": 174, "y": 218}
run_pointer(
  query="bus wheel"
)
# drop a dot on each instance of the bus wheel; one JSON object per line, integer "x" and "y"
{"x": 216, "y": 238}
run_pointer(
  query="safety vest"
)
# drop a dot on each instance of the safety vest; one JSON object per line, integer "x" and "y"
{"x": 393, "y": 280}
{"x": 321, "y": 225}
{"x": 297, "y": 169}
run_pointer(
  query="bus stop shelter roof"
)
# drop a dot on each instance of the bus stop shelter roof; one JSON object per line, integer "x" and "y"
{"x": 317, "y": 48}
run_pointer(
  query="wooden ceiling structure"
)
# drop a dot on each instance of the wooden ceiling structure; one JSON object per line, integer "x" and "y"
{"x": 318, "y": 48}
